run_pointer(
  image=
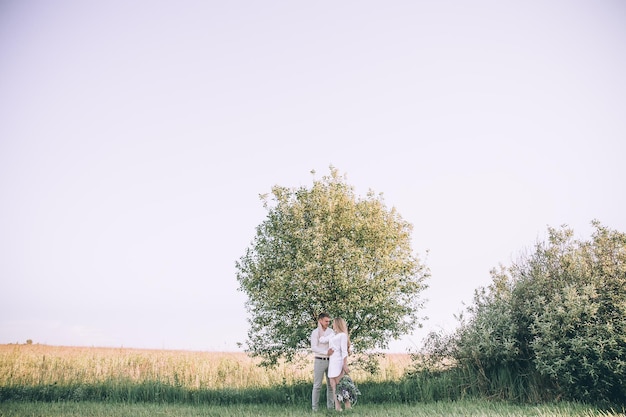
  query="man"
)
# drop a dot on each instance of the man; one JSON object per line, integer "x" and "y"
{"x": 320, "y": 366}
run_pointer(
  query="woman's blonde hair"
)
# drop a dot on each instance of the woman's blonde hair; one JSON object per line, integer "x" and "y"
{"x": 340, "y": 326}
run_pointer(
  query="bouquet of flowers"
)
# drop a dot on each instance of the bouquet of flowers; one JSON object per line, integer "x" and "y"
{"x": 347, "y": 390}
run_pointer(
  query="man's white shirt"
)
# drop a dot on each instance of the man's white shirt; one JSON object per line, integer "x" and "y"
{"x": 320, "y": 347}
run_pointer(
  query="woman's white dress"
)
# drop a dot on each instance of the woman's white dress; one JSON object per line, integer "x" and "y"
{"x": 339, "y": 344}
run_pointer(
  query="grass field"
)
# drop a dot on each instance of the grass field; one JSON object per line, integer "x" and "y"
{"x": 442, "y": 409}
{"x": 39, "y": 380}
{"x": 53, "y": 373}
{"x": 47, "y": 365}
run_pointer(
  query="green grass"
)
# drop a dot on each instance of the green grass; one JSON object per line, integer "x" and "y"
{"x": 64, "y": 381}
{"x": 446, "y": 408}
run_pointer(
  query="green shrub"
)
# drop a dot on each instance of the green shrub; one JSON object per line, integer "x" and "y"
{"x": 579, "y": 333}
{"x": 553, "y": 325}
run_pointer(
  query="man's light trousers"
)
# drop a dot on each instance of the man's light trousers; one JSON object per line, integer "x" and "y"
{"x": 320, "y": 369}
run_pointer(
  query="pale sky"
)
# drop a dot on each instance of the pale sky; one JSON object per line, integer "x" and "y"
{"x": 135, "y": 138}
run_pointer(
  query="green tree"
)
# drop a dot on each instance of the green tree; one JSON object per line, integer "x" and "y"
{"x": 325, "y": 249}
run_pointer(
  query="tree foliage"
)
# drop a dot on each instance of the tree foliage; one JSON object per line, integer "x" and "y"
{"x": 325, "y": 249}
{"x": 556, "y": 317}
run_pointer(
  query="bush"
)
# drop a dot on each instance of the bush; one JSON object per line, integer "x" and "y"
{"x": 579, "y": 326}
{"x": 551, "y": 326}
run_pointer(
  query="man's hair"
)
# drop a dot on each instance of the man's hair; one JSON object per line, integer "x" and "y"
{"x": 323, "y": 316}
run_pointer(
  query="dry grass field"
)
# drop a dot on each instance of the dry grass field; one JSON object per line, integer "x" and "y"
{"x": 28, "y": 365}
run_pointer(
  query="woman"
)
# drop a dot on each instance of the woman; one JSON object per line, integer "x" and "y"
{"x": 338, "y": 363}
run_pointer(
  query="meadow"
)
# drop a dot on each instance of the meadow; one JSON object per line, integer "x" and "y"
{"x": 39, "y": 380}
{"x": 51, "y": 373}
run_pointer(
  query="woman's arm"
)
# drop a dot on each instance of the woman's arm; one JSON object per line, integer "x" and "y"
{"x": 326, "y": 338}
{"x": 344, "y": 352}
{"x": 343, "y": 342}
{"x": 345, "y": 366}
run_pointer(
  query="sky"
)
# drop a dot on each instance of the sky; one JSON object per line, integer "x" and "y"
{"x": 136, "y": 138}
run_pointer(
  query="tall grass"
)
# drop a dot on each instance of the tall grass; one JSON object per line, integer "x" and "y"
{"x": 45, "y": 365}
{"x": 51, "y": 373}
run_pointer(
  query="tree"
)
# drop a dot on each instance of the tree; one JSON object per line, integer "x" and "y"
{"x": 325, "y": 249}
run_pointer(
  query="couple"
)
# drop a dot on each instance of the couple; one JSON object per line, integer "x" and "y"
{"x": 330, "y": 347}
